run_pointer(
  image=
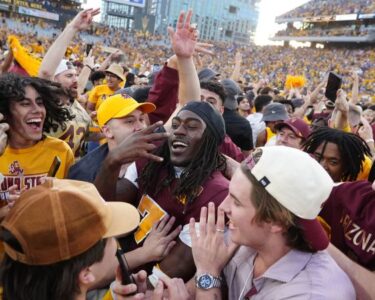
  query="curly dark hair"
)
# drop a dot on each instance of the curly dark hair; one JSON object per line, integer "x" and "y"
{"x": 12, "y": 88}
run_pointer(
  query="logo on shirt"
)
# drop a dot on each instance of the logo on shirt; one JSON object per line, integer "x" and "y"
{"x": 15, "y": 168}
{"x": 357, "y": 236}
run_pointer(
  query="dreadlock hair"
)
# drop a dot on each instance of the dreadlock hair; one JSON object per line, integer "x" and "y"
{"x": 202, "y": 165}
{"x": 12, "y": 88}
{"x": 353, "y": 149}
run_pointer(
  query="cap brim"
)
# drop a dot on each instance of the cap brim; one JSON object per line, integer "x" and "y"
{"x": 122, "y": 77}
{"x": 125, "y": 218}
{"x": 291, "y": 127}
{"x": 314, "y": 233}
{"x": 146, "y": 107}
{"x": 274, "y": 118}
{"x": 230, "y": 103}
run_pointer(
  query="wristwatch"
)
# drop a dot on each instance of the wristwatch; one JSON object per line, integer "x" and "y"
{"x": 207, "y": 281}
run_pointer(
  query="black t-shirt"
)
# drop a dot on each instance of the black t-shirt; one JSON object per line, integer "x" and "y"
{"x": 239, "y": 129}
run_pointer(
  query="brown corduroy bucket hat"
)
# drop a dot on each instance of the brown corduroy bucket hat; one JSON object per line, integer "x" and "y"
{"x": 61, "y": 219}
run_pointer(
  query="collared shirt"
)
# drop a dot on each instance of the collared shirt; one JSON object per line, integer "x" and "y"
{"x": 297, "y": 275}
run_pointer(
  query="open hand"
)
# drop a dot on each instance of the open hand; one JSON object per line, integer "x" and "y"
{"x": 160, "y": 241}
{"x": 211, "y": 253}
{"x": 185, "y": 38}
{"x": 341, "y": 103}
{"x": 365, "y": 131}
{"x": 89, "y": 60}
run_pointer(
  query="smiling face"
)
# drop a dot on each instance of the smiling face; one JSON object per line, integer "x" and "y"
{"x": 113, "y": 81}
{"x": 26, "y": 120}
{"x": 240, "y": 210}
{"x": 186, "y": 136}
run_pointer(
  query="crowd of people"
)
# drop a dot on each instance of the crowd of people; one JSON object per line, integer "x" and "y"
{"x": 255, "y": 59}
{"x": 316, "y": 8}
{"x": 325, "y": 31}
{"x": 206, "y": 180}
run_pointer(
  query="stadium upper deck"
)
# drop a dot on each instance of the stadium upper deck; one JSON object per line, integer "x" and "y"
{"x": 333, "y": 22}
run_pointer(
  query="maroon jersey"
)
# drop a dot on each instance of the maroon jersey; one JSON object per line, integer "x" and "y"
{"x": 350, "y": 212}
{"x": 154, "y": 207}
{"x": 231, "y": 149}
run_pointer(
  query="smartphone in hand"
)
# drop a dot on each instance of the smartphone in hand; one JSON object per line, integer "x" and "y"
{"x": 333, "y": 85}
{"x": 126, "y": 277}
{"x": 88, "y": 48}
{"x": 54, "y": 167}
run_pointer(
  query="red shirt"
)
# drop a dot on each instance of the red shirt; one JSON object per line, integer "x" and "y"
{"x": 350, "y": 212}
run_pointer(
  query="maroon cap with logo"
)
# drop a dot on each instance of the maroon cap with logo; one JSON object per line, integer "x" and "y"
{"x": 298, "y": 126}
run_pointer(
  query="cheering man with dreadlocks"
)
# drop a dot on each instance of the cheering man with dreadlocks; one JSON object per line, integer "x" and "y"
{"x": 342, "y": 154}
{"x": 188, "y": 173}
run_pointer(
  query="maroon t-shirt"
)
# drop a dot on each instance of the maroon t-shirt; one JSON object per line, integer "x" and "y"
{"x": 214, "y": 189}
{"x": 154, "y": 207}
{"x": 231, "y": 149}
{"x": 164, "y": 94}
{"x": 350, "y": 212}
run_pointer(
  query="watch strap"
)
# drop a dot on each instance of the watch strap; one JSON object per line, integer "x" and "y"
{"x": 216, "y": 281}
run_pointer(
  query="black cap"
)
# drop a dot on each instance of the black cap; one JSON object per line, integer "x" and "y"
{"x": 210, "y": 116}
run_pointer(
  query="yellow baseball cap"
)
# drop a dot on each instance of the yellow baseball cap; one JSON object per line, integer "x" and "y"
{"x": 118, "y": 106}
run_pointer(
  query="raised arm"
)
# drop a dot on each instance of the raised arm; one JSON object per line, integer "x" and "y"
{"x": 340, "y": 120}
{"x": 355, "y": 89}
{"x": 164, "y": 92}
{"x": 183, "y": 43}
{"x": 88, "y": 65}
{"x": 105, "y": 64}
{"x": 56, "y": 52}
{"x": 237, "y": 67}
{"x": 138, "y": 145}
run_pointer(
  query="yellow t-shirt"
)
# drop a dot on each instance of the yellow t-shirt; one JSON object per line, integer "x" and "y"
{"x": 108, "y": 296}
{"x": 269, "y": 133}
{"x": 99, "y": 93}
{"x": 76, "y": 129}
{"x": 25, "y": 167}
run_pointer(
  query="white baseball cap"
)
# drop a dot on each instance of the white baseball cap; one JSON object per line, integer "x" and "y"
{"x": 298, "y": 182}
{"x": 63, "y": 66}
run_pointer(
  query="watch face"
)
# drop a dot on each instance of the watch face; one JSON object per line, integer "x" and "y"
{"x": 205, "y": 281}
